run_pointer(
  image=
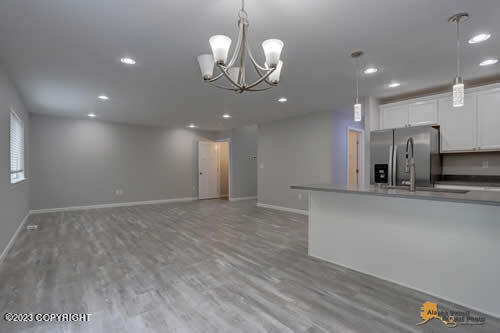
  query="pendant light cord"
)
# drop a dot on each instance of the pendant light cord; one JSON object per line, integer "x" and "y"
{"x": 357, "y": 80}
{"x": 458, "y": 46}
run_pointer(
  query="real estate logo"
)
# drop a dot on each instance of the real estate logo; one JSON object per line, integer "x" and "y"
{"x": 449, "y": 318}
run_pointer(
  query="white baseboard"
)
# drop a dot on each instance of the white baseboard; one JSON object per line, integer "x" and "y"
{"x": 13, "y": 238}
{"x": 120, "y": 204}
{"x": 242, "y": 198}
{"x": 285, "y": 209}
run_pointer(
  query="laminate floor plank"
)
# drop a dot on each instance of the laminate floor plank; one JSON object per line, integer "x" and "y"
{"x": 204, "y": 266}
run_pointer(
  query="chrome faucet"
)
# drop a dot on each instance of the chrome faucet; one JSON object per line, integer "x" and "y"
{"x": 410, "y": 164}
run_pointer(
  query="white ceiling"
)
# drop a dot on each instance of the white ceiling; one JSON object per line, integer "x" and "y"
{"x": 61, "y": 54}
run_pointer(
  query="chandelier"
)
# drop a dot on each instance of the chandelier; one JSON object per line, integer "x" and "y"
{"x": 268, "y": 76}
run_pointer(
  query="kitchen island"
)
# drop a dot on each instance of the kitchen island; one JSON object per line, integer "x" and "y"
{"x": 445, "y": 244}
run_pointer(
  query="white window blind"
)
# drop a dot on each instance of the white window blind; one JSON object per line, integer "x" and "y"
{"x": 16, "y": 148}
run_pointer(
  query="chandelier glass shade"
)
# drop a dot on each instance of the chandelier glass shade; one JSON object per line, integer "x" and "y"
{"x": 233, "y": 68}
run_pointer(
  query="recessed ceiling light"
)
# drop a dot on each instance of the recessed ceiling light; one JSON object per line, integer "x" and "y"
{"x": 92, "y": 115}
{"x": 479, "y": 38}
{"x": 282, "y": 99}
{"x": 192, "y": 125}
{"x": 488, "y": 62}
{"x": 128, "y": 61}
{"x": 103, "y": 97}
{"x": 371, "y": 70}
{"x": 394, "y": 84}
{"x": 226, "y": 116}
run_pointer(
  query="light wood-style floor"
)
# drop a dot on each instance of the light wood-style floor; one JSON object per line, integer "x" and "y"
{"x": 208, "y": 266}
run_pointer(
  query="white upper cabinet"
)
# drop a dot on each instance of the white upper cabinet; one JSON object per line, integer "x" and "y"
{"x": 423, "y": 113}
{"x": 473, "y": 127}
{"x": 458, "y": 129}
{"x": 488, "y": 120}
{"x": 414, "y": 114}
{"x": 393, "y": 116}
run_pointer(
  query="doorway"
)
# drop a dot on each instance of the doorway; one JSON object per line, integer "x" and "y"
{"x": 213, "y": 170}
{"x": 355, "y": 156}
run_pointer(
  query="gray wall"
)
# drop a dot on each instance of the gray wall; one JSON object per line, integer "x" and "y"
{"x": 84, "y": 162}
{"x": 244, "y": 162}
{"x": 302, "y": 150}
{"x": 14, "y": 199}
{"x": 293, "y": 151}
{"x": 472, "y": 164}
{"x": 243, "y": 153}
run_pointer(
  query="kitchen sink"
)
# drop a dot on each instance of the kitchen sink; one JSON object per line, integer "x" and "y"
{"x": 428, "y": 189}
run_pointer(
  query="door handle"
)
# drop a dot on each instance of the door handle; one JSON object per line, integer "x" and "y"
{"x": 395, "y": 166}
{"x": 201, "y": 173}
{"x": 391, "y": 155}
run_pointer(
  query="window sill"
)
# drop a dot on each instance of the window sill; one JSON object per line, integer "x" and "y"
{"x": 17, "y": 182}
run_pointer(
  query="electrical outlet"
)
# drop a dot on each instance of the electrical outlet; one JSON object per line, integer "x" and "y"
{"x": 300, "y": 196}
{"x": 119, "y": 192}
{"x": 486, "y": 164}
{"x": 261, "y": 166}
{"x": 194, "y": 188}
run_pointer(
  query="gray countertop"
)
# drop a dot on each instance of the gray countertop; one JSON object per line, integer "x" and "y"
{"x": 470, "y": 180}
{"x": 491, "y": 198}
{"x": 467, "y": 183}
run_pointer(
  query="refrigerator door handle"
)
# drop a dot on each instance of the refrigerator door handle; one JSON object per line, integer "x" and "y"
{"x": 395, "y": 165}
{"x": 391, "y": 147}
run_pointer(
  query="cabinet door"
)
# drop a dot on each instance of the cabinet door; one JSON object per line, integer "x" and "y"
{"x": 394, "y": 116}
{"x": 488, "y": 117}
{"x": 458, "y": 125}
{"x": 422, "y": 113}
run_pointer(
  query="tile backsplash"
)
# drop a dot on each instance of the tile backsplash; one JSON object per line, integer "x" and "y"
{"x": 480, "y": 163}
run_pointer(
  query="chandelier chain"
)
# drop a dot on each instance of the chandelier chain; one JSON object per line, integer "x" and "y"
{"x": 242, "y": 14}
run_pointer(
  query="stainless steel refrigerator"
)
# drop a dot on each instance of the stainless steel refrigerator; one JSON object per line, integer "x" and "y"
{"x": 388, "y": 155}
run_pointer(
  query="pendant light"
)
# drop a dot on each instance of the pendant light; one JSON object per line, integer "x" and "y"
{"x": 357, "y": 105}
{"x": 458, "y": 84}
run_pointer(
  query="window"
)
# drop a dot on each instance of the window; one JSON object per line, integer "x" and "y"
{"x": 16, "y": 148}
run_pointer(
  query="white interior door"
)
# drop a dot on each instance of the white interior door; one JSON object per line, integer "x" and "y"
{"x": 207, "y": 170}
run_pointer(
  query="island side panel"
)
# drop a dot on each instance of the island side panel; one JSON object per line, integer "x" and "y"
{"x": 450, "y": 250}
